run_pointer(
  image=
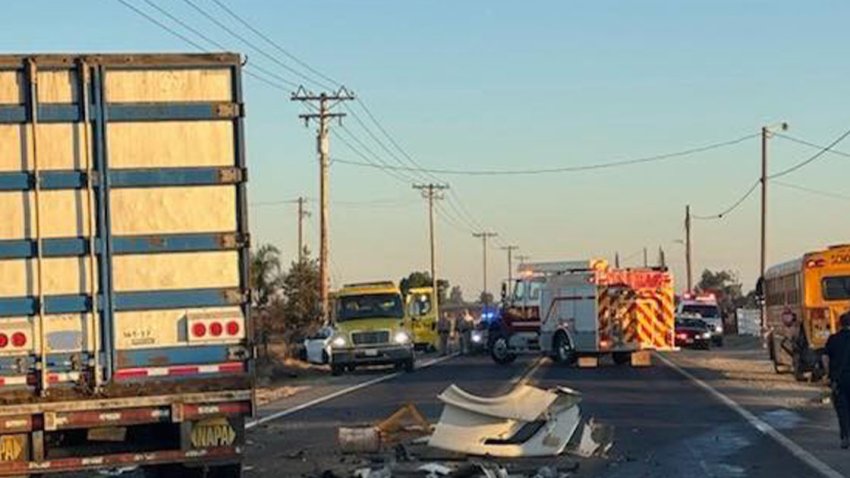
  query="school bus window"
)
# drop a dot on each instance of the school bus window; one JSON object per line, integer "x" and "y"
{"x": 836, "y": 288}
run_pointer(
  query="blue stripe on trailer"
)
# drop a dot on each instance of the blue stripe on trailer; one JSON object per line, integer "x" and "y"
{"x": 125, "y": 178}
{"x": 158, "y": 177}
{"x": 125, "y": 112}
{"x": 165, "y": 356}
{"x": 176, "y": 299}
{"x": 55, "y": 304}
{"x": 78, "y": 246}
{"x": 22, "y": 180}
{"x": 124, "y": 301}
{"x": 172, "y": 111}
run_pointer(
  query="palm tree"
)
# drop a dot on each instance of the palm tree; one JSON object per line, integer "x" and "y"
{"x": 266, "y": 274}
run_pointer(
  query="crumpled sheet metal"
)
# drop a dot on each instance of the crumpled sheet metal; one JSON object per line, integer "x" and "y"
{"x": 527, "y": 422}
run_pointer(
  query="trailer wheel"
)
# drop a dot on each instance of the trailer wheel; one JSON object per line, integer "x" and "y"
{"x": 564, "y": 352}
{"x": 621, "y": 358}
{"x": 500, "y": 351}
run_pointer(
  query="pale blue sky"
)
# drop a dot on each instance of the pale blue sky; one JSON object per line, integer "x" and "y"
{"x": 497, "y": 84}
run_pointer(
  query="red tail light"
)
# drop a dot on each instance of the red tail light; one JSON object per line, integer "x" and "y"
{"x": 216, "y": 329}
{"x": 19, "y": 339}
{"x": 4, "y": 341}
{"x": 819, "y": 314}
{"x": 199, "y": 330}
{"x": 813, "y": 263}
{"x": 233, "y": 328}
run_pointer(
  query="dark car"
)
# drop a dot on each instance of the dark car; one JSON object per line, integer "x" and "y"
{"x": 693, "y": 333}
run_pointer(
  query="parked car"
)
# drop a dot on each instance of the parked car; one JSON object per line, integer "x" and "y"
{"x": 693, "y": 333}
{"x": 316, "y": 346}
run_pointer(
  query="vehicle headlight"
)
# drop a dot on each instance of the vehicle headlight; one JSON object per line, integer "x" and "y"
{"x": 338, "y": 341}
{"x": 477, "y": 337}
{"x": 718, "y": 328}
{"x": 401, "y": 338}
{"x": 706, "y": 335}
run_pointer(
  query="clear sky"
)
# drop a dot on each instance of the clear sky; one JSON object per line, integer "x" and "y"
{"x": 501, "y": 85}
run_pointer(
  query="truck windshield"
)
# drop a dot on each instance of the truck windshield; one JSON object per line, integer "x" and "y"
{"x": 370, "y": 306}
{"x": 705, "y": 311}
{"x": 836, "y": 288}
{"x": 420, "y": 305}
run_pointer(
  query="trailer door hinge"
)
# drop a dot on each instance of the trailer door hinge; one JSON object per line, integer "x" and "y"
{"x": 231, "y": 175}
{"x": 228, "y": 110}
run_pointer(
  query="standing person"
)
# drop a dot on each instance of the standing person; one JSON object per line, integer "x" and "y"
{"x": 444, "y": 328}
{"x": 838, "y": 355}
{"x": 464, "y": 330}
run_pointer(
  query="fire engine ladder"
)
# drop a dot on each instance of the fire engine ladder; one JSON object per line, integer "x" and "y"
{"x": 32, "y": 107}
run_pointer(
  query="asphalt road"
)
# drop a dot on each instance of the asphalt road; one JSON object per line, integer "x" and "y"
{"x": 665, "y": 425}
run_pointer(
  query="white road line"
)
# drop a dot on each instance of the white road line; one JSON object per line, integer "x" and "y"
{"x": 759, "y": 424}
{"x": 339, "y": 393}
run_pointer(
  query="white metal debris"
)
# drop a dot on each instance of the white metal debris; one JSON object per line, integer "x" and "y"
{"x": 526, "y": 422}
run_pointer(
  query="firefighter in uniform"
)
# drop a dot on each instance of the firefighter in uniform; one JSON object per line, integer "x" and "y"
{"x": 838, "y": 355}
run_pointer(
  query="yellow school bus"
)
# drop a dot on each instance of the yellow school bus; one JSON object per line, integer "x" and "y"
{"x": 422, "y": 309}
{"x": 804, "y": 299}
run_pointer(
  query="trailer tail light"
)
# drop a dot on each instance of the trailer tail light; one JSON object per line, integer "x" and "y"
{"x": 215, "y": 326}
{"x": 199, "y": 330}
{"x": 19, "y": 339}
{"x": 4, "y": 341}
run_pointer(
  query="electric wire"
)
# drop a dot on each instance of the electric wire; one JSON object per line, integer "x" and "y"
{"x": 818, "y": 192}
{"x": 731, "y": 208}
{"x": 812, "y": 158}
{"x": 810, "y": 144}
{"x": 566, "y": 169}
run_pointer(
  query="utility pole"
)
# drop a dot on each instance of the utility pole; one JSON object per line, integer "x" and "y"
{"x": 662, "y": 258}
{"x": 302, "y": 213}
{"x": 484, "y": 235}
{"x": 765, "y": 135}
{"x": 522, "y": 258}
{"x": 326, "y": 101}
{"x": 510, "y": 250}
{"x": 645, "y": 258}
{"x": 690, "y": 271}
{"x": 617, "y": 260}
{"x": 433, "y": 192}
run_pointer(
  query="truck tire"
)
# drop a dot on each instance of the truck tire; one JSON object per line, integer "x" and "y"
{"x": 500, "y": 350}
{"x": 562, "y": 349}
{"x": 621, "y": 358}
{"x": 409, "y": 365}
{"x": 337, "y": 369}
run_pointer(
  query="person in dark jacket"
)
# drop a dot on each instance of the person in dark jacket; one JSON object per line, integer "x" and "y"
{"x": 838, "y": 354}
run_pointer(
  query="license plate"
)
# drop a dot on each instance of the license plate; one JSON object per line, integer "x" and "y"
{"x": 211, "y": 433}
{"x": 370, "y": 352}
{"x": 12, "y": 447}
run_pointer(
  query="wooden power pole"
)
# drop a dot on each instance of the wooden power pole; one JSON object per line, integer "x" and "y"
{"x": 433, "y": 192}
{"x": 690, "y": 271}
{"x": 484, "y": 235}
{"x": 510, "y": 250}
{"x": 325, "y": 102}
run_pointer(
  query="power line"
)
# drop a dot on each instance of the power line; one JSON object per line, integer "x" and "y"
{"x": 251, "y": 45}
{"x": 566, "y": 169}
{"x": 204, "y": 37}
{"x": 810, "y": 144}
{"x": 731, "y": 208}
{"x": 818, "y": 192}
{"x": 274, "y": 44}
{"x": 814, "y": 157}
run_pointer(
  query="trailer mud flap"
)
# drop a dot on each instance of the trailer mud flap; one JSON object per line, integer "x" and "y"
{"x": 213, "y": 433}
{"x": 14, "y": 448}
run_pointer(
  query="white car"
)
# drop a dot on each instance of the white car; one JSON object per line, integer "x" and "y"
{"x": 316, "y": 347}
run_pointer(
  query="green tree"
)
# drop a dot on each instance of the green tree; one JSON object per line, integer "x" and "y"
{"x": 423, "y": 279}
{"x": 266, "y": 275}
{"x": 300, "y": 305}
{"x": 725, "y": 286}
